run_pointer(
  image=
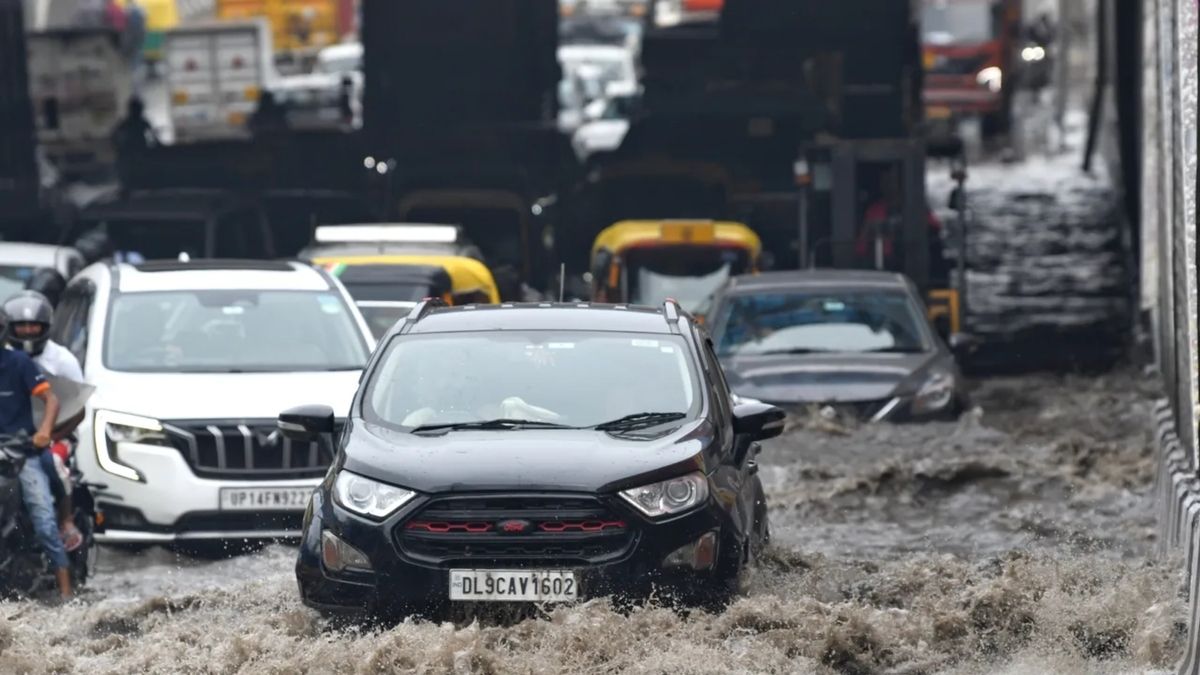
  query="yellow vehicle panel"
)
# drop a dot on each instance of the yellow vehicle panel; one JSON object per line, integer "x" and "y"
{"x": 160, "y": 14}
{"x": 466, "y": 274}
{"x": 318, "y": 18}
{"x": 630, "y": 233}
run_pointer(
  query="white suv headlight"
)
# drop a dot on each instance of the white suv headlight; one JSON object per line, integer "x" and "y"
{"x": 669, "y": 497}
{"x": 369, "y": 497}
{"x": 112, "y": 428}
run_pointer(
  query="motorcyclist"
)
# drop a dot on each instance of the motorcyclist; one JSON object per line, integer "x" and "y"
{"x": 30, "y": 314}
{"x": 20, "y": 380}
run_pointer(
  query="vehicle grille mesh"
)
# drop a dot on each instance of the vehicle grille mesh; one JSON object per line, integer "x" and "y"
{"x": 499, "y": 531}
{"x": 247, "y": 450}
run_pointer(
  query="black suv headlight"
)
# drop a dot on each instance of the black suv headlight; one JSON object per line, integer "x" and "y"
{"x": 669, "y": 497}
{"x": 368, "y": 497}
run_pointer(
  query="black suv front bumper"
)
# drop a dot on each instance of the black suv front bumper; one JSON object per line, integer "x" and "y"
{"x": 411, "y": 565}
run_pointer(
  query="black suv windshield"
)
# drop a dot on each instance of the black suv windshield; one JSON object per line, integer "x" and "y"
{"x": 571, "y": 379}
{"x": 232, "y": 331}
{"x": 824, "y": 321}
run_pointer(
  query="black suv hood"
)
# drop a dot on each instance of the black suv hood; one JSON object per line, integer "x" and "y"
{"x": 525, "y": 459}
{"x": 826, "y": 378}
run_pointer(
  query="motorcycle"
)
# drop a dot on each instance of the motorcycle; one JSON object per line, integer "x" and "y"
{"x": 24, "y": 570}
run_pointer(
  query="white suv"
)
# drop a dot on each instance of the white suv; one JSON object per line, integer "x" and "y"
{"x": 192, "y": 362}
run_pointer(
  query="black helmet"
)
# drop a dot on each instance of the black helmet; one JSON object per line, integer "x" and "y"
{"x": 49, "y": 282}
{"x": 28, "y": 307}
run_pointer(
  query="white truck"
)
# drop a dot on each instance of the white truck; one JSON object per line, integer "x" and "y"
{"x": 79, "y": 85}
{"x": 216, "y": 73}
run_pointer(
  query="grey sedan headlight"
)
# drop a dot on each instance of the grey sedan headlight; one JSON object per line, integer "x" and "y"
{"x": 669, "y": 497}
{"x": 368, "y": 497}
{"x": 935, "y": 394}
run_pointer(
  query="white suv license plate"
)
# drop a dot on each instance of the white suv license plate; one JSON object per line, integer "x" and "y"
{"x": 513, "y": 585}
{"x": 265, "y": 499}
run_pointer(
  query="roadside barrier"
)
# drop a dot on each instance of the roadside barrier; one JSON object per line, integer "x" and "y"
{"x": 1177, "y": 493}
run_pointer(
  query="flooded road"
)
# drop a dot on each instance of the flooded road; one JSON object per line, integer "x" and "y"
{"x": 1014, "y": 540}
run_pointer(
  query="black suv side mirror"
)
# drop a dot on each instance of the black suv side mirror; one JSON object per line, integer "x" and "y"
{"x": 306, "y": 423}
{"x": 758, "y": 421}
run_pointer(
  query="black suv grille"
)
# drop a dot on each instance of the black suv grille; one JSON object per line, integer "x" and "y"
{"x": 246, "y": 450}
{"x": 515, "y": 531}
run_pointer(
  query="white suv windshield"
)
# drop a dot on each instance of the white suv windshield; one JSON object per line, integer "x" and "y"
{"x": 575, "y": 379}
{"x": 232, "y": 331}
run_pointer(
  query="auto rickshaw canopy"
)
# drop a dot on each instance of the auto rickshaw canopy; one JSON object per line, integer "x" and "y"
{"x": 628, "y": 234}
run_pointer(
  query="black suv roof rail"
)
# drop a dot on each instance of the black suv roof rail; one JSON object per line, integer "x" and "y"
{"x": 419, "y": 312}
{"x": 672, "y": 311}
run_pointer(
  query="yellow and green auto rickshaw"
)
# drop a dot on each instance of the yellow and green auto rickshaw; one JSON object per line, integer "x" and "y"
{"x": 644, "y": 262}
{"x": 385, "y": 287}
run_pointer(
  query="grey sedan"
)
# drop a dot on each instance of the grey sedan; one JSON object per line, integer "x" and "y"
{"x": 857, "y": 341}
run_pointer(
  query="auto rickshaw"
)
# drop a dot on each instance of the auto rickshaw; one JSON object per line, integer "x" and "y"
{"x": 644, "y": 262}
{"x": 384, "y": 287}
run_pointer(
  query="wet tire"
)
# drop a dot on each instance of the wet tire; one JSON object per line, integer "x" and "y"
{"x": 762, "y": 525}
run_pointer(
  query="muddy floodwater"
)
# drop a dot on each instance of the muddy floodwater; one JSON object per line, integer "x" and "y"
{"x": 1016, "y": 540}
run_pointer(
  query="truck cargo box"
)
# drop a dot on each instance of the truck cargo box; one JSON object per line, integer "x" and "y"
{"x": 79, "y": 83}
{"x": 215, "y": 75}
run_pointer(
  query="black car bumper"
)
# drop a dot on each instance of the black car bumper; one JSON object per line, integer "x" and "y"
{"x": 404, "y": 578}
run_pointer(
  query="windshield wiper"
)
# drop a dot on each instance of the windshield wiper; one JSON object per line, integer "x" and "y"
{"x": 639, "y": 421}
{"x": 797, "y": 350}
{"x": 490, "y": 425}
{"x": 895, "y": 350}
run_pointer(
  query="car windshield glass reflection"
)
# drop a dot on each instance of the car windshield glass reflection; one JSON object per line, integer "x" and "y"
{"x": 232, "y": 331}
{"x": 689, "y": 275}
{"x": 381, "y": 316}
{"x": 691, "y": 293}
{"x": 570, "y": 379}
{"x": 957, "y": 23}
{"x": 13, "y": 279}
{"x": 797, "y": 323}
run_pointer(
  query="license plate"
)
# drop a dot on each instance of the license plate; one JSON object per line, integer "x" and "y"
{"x": 265, "y": 499}
{"x": 513, "y": 585}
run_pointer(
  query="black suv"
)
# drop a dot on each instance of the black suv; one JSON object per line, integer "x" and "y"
{"x": 535, "y": 453}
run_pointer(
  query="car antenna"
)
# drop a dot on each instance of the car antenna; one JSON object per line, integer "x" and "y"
{"x": 562, "y": 281}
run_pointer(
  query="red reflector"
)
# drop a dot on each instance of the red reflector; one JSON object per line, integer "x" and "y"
{"x": 238, "y": 62}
